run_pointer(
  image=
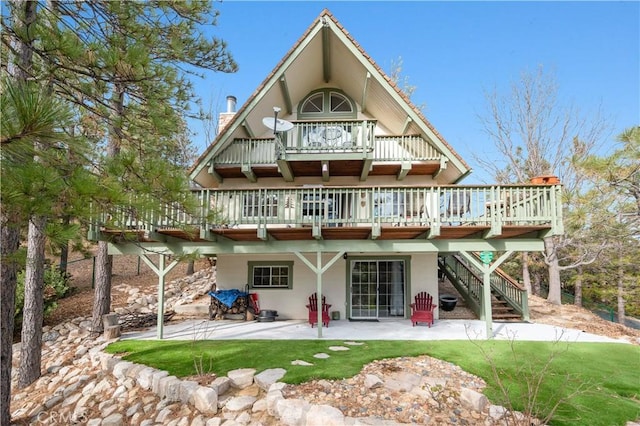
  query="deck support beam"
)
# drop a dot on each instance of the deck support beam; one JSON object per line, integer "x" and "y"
{"x": 325, "y": 170}
{"x": 434, "y": 231}
{"x": 486, "y": 269}
{"x": 366, "y": 168}
{"x": 161, "y": 271}
{"x": 228, "y": 246}
{"x": 404, "y": 170}
{"x": 443, "y": 166}
{"x": 407, "y": 122}
{"x": 285, "y": 170}
{"x": 212, "y": 171}
{"x": 375, "y": 231}
{"x": 247, "y": 128}
{"x": 319, "y": 270}
{"x": 248, "y": 172}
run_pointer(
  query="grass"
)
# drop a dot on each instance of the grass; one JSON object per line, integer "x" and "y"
{"x": 600, "y": 380}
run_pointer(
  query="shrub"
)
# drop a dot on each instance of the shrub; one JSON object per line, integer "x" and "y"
{"x": 56, "y": 286}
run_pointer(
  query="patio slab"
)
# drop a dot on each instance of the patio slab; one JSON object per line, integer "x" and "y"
{"x": 199, "y": 329}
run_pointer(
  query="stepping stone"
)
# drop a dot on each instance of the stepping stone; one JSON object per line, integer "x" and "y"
{"x": 350, "y": 343}
{"x": 321, "y": 356}
{"x": 300, "y": 362}
{"x": 338, "y": 348}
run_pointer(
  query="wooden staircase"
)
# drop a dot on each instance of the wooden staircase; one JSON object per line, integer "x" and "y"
{"x": 508, "y": 298}
{"x": 502, "y": 311}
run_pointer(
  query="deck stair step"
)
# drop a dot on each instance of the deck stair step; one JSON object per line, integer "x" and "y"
{"x": 501, "y": 311}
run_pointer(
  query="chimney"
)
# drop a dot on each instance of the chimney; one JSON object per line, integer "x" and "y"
{"x": 225, "y": 117}
{"x": 231, "y": 104}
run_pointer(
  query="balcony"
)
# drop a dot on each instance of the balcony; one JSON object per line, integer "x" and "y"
{"x": 323, "y": 148}
{"x": 355, "y": 213}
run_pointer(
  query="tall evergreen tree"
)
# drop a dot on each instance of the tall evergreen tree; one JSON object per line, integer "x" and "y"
{"x": 29, "y": 114}
{"x": 88, "y": 51}
{"x": 615, "y": 178}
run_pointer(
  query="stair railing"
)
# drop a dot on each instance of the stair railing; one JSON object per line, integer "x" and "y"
{"x": 467, "y": 280}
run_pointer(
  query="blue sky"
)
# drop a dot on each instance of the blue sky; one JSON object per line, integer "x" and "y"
{"x": 453, "y": 52}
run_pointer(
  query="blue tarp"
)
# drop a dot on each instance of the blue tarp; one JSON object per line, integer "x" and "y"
{"x": 227, "y": 297}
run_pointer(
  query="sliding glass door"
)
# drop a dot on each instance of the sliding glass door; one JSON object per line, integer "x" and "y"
{"x": 377, "y": 289}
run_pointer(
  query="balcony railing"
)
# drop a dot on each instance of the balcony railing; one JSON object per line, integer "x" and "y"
{"x": 493, "y": 206}
{"x": 318, "y": 137}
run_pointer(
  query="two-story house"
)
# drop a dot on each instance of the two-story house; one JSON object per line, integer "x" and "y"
{"x": 329, "y": 180}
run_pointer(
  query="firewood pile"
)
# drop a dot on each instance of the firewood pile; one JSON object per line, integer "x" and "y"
{"x": 218, "y": 310}
{"x": 138, "y": 320}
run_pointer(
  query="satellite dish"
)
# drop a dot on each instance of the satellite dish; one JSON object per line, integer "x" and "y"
{"x": 277, "y": 124}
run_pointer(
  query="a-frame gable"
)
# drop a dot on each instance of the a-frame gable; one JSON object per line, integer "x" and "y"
{"x": 326, "y": 54}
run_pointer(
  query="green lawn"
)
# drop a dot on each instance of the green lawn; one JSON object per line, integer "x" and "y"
{"x": 604, "y": 378}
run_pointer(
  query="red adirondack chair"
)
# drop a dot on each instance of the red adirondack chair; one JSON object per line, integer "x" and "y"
{"x": 313, "y": 310}
{"x": 422, "y": 309}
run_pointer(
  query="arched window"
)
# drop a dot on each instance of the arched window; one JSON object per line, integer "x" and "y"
{"x": 327, "y": 103}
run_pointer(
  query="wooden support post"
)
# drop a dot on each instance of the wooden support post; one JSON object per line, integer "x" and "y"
{"x": 161, "y": 271}
{"x": 487, "y": 268}
{"x": 319, "y": 270}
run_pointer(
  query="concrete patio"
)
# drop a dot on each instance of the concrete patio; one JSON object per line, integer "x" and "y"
{"x": 199, "y": 329}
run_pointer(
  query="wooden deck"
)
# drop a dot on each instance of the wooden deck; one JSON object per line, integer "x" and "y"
{"x": 331, "y": 233}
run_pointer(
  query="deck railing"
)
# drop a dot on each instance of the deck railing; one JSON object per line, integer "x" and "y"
{"x": 321, "y": 137}
{"x": 434, "y": 207}
{"x": 352, "y": 206}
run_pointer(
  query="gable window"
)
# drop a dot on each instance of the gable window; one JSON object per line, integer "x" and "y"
{"x": 327, "y": 103}
{"x": 314, "y": 104}
{"x": 339, "y": 103}
{"x": 271, "y": 274}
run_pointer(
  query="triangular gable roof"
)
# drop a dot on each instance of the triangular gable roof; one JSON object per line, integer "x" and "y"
{"x": 385, "y": 98}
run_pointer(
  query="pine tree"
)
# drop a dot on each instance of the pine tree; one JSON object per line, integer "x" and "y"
{"x": 28, "y": 186}
{"x": 86, "y": 51}
{"x": 615, "y": 180}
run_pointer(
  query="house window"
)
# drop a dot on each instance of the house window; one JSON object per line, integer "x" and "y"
{"x": 339, "y": 103}
{"x": 328, "y": 104}
{"x": 314, "y": 104}
{"x": 271, "y": 274}
{"x": 257, "y": 205}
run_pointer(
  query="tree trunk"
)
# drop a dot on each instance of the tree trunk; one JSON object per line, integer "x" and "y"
{"x": 191, "y": 267}
{"x": 526, "y": 276}
{"x": 622, "y": 317}
{"x": 537, "y": 284}
{"x": 555, "y": 286}
{"x": 102, "y": 293}
{"x": 577, "y": 296}
{"x": 104, "y": 262}
{"x": 23, "y": 17}
{"x": 64, "y": 249}
{"x": 9, "y": 244}
{"x": 33, "y": 312}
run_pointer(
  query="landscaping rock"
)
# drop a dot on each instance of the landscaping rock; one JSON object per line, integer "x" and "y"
{"x": 206, "y": 400}
{"x": 241, "y": 378}
{"x": 240, "y": 403}
{"x": 268, "y": 377}
{"x": 473, "y": 400}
